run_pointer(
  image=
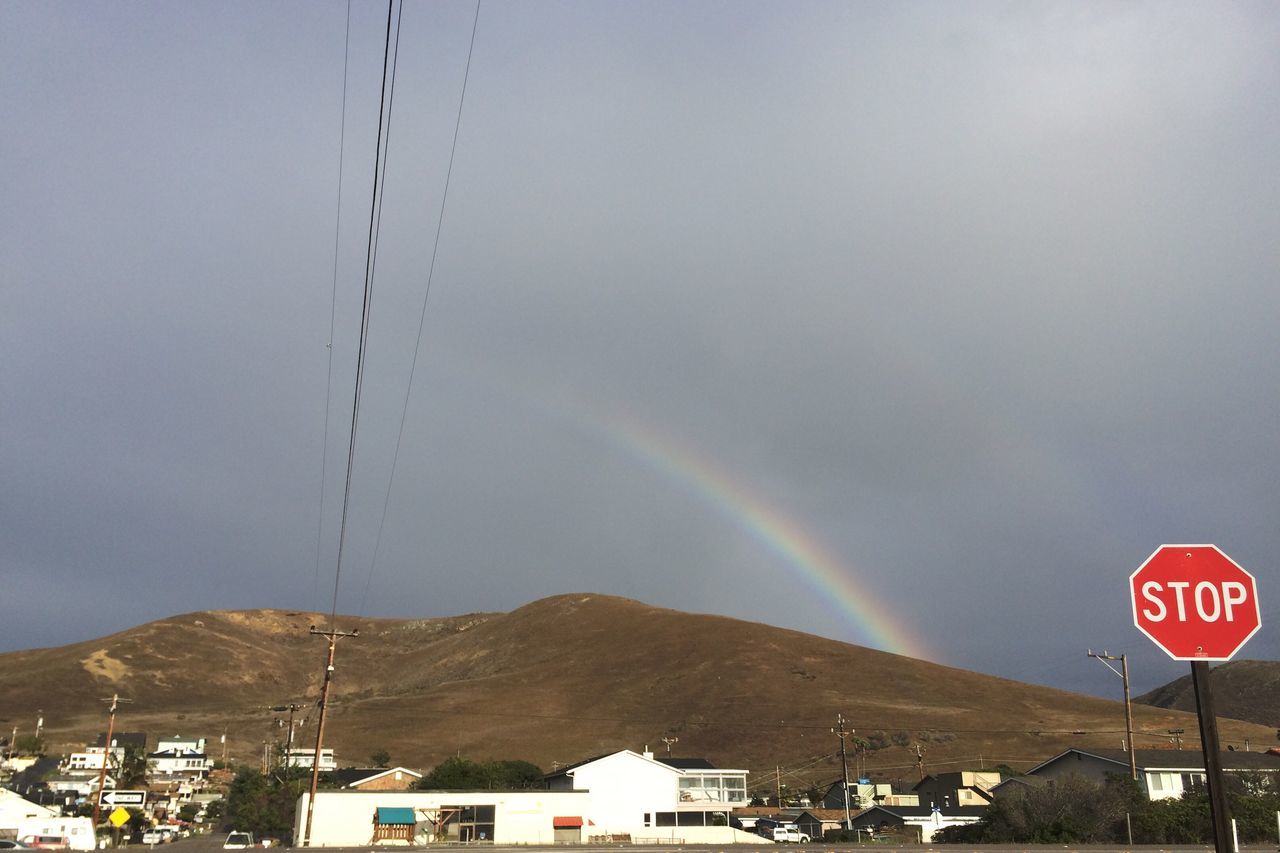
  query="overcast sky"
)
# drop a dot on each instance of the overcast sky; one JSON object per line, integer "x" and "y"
{"x": 978, "y": 301}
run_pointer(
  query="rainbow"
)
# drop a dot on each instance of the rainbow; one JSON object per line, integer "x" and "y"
{"x": 735, "y": 501}
{"x": 782, "y": 536}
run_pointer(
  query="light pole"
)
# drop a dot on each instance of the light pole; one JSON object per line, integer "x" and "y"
{"x": 1123, "y": 672}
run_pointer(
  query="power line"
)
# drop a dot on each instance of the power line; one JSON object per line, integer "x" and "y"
{"x": 422, "y": 318}
{"x": 333, "y": 302}
{"x": 364, "y": 318}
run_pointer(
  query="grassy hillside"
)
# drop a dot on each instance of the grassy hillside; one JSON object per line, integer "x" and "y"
{"x": 559, "y": 680}
{"x": 1242, "y": 689}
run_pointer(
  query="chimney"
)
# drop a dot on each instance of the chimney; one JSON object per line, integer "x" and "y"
{"x": 647, "y": 754}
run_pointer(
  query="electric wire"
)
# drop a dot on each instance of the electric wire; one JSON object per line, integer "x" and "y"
{"x": 333, "y": 304}
{"x": 422, "y": 317}
{"x": 364, "y": 323}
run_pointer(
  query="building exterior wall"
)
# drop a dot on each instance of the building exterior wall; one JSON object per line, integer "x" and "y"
{"x": 625, "y": 787}
{"x": 345, "y": 818}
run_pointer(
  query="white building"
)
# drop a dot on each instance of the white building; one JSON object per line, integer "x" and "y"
{"x": 626, "y": 796}
{"x": 302, "y": 757}
{"x": 15, "y": 810}
{"x": 178, "y": 758}
{"x": 356, "y": 818}
{"x": 646, "y": 797}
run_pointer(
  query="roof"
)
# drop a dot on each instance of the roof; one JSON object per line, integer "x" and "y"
{"x": 677, "y": 764}
{"x": 177, "y": 753}
{"x": 1182, "y": 760}
{"x": 924, "y": 811}
{"x": 351, "y": 776}
{"x": 687, "y": 763}
{"x": 822, "y": 814}
{"x": 138, "y": 739}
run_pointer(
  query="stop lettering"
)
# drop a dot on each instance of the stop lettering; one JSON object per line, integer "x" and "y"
{"x": 1194, "y": 602}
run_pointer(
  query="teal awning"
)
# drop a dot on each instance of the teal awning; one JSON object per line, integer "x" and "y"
{"x": 395, "y": 816}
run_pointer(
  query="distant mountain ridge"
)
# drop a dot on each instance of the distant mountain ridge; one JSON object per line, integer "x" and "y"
{"x": 1242, "y": 689}
{"x": 557, "y": 680}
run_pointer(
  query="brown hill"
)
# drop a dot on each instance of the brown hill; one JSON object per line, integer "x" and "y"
{"x": 556, "y": 681}
{"x": 1242, "y": 689}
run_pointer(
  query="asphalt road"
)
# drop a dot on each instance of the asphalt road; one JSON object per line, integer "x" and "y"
{"x": 209, "y": 844}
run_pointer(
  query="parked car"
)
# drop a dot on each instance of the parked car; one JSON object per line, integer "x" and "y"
{"x": 786, "y": 834}
{"x": 154, "y": 836}
{"x": 6, "y": 844}
{"x": 238, "y": 841}
{"x": 46, "y": 842}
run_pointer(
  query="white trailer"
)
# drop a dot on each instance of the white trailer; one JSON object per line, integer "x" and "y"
{"x": 77, "y": 830}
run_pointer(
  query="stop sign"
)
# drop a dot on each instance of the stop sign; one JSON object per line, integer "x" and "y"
{"x": 1194, "y": 602}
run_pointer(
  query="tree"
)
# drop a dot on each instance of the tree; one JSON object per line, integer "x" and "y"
{"x": 29, "y": 745}
{"x": 264, "y": 805}
{"x": 381, "y": 758}
{"x": 1073, "y": 810}
{"x": 463, "y": 774}
{"x": 131, "y": 768}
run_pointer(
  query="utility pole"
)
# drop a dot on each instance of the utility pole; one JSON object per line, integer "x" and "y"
{"x": 844, "y": 768}
{"x": 668, "y": 741}
{"x": 115, "y": 701}
{"x": 920, "y": 762}
{"x": 1104, "y": 659}
{"x": 1177, "y": 737}
{"x": 333, "y": 636}
{"x": 288, "y": 746}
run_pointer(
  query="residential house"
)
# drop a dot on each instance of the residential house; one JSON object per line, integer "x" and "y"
{"x": 179, "y": 759}
{"x": 918, "y": 823}
{"x": 375, "y": 778}
{"x": 1164, "y": 773}
{"x": 93, "y": 755}
{"x": 864, "y": 794}
{"x": 960, "y": 788}
{"x": 303, "y": 757}
{"x": 816, "y": 822}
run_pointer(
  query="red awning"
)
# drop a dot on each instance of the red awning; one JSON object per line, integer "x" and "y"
{"x": 566, "y": 822}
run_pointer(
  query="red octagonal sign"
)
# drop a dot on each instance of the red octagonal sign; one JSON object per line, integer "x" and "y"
{"x": 1195, "y": 602}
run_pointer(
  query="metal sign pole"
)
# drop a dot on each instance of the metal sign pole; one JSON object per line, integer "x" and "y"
{"x": 1219, "y": 812}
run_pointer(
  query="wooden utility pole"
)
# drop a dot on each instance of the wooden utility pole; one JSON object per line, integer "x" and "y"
{"x": 333, "y": 636}
{"x": 1128, "y": 706}
{"x": 115, "y": 701}
{"x": 844, "y": 768}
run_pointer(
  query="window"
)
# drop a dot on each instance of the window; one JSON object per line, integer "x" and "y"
{"x": 664, "y": 819}
{"x": 468, "y": 823}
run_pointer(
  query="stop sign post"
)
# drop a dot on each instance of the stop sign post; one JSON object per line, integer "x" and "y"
{"x": 1197, "y": 604}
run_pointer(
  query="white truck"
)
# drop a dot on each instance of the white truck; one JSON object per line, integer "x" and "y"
{"x": 77, "y": 830}
{"x": 789, "y": 834}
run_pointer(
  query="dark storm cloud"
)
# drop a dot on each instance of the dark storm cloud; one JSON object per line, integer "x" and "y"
{"x": 980, "y": 297}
